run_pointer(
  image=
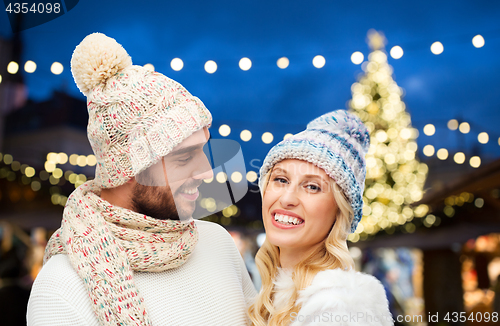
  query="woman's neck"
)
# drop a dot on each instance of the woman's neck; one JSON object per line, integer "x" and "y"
{"x": 289, "y": 257}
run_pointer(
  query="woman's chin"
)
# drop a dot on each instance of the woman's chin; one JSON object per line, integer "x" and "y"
{"x": 284, "y": 241}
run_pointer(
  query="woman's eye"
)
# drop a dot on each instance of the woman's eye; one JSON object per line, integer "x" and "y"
{"x": 314, "y": 188}
{"x": 279, "y": 180}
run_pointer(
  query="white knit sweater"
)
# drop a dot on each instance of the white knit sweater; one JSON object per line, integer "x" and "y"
{"x": 336, "y": 298}
{"x": 212, "y": 288}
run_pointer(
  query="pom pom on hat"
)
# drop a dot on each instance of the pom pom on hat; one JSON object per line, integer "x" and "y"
{"x": 95, "y": 59}
{"x": 136, "y": 116}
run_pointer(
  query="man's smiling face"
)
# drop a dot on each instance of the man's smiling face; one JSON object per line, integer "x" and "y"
{"x": 169, "y": 189}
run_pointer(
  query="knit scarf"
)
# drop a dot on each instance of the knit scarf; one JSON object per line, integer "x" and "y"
{"x": 106, "y": 243}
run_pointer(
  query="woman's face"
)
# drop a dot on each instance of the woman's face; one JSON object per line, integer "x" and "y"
{"x": 298, "y": 207}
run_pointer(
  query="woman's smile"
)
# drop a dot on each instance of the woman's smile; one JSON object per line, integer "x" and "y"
{"x": 284, "y": 219}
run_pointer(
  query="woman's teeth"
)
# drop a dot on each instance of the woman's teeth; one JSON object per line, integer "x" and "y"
{"x": 285, "y": 219}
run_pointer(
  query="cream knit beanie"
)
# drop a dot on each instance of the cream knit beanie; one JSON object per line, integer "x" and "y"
{"x": 136, "y": 116}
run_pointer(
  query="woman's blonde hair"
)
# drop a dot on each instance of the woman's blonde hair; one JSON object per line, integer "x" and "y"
{"x": 332, "y": 254}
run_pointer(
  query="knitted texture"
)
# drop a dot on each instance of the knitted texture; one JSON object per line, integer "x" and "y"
{"x": 212, "y": 288}
{"x": 336, "y": 142}
{"x": 106, "y": 243}
{"x": 135, "y": 116}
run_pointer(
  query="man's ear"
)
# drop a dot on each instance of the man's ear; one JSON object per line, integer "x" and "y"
{"x": 131, "y": 180}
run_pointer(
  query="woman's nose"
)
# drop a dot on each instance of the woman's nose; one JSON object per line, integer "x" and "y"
{"x": 289, "y": 197}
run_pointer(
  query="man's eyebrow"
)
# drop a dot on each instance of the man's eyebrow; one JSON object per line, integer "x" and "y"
{"x": 188, "y": 149}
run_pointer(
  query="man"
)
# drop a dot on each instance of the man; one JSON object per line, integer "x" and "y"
{"x": 128, "y": 251}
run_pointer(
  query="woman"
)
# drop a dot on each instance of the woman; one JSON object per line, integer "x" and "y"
{"x": 312, "y": 198}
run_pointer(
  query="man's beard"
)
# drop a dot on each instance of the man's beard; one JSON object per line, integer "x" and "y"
{"x": 159, "y": 203}
{"x": 155, "y": 202}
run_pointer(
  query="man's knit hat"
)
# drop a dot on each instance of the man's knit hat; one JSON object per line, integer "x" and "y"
{"x": 136, "y": 116}
{"x": 336, "y": 142}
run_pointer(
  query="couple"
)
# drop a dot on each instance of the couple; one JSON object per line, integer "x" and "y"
{"x": 129, "y": 253}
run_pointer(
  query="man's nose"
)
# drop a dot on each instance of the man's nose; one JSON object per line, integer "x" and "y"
{"x": 203, "y": 169}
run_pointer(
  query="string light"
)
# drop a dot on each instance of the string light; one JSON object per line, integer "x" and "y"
{"x": 251, "y": 176}
{"x": 396, "y": 52}
{"x": 267, "y": 137}
{"x": 283, "y": 63}
{"x": 478, "y": 41}
{"x": 230, "y": 211}
{"x": 62, "y": 158}
{"x": 429, "y": 129}
{"x": 57, "y": 173}
{"x": 30, "y": 66}
{"x": 464, "y": 128}
{"x": 319, "y": 61}
{"x": 210, "y": 66}
{"x": 176, "y": 64}
{"x": 8, "y": 159}
{"x": 453, "y": 124}
{"x": 245, "y": 64}
{"x": 437, "y": 48}
{"x": 442, "y": 154}
{"x": 429, "y": 220}
{"x": 290, "y": 135}
{"x": 29, "y": 171}
{"x": 56, "y": 68}
{"x": 221, "y": 177}
{"x": 81, "y": 160}
{"x": 149, "y": 67}
{"x": 36, "y": 185}
{"x": 91, "y": 160}
{"x": 246, "y": 135}
{"x": 12, "y": 67}
{"x": 357, "y": 57}
{"x": 479, "y": 202}
{"x": 15, "y": 166}
{"x": 483, "y": 138}
{"x": 224, "y": 130}
{"x": 236, "y": 177}
{"x": 475, "y": 161}
{"x": 428, "y": 150}
{"x": 459, "y": 158}
{"x": 49, "y": 166}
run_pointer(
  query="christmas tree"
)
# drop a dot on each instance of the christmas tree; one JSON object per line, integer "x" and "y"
{"x": 395, "y": 178}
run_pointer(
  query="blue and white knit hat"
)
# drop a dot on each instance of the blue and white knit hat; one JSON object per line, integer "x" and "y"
{"x": 336, "y": 142}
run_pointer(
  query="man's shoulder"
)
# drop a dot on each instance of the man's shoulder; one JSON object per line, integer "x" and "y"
{"x": 214, "y": 241}
{"x": 58, "y": 267}
{"x": 212, "y": 230}
{"x": 209, "y": 226}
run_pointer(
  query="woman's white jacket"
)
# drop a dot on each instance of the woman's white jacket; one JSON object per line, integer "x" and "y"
{"x": 336, "y": 297}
